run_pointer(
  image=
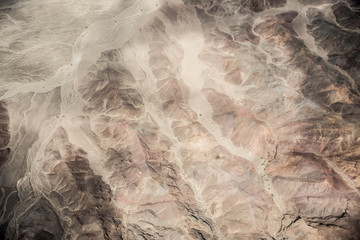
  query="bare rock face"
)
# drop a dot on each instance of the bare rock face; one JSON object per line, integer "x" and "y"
{"x": 180, "y": 120}
{"x": 4, "y": 133}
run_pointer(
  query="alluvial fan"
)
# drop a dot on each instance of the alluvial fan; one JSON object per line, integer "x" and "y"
{"x": 177, "y": 120}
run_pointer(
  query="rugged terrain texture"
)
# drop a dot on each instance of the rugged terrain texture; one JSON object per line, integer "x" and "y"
{"x": 193, "y": 119}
